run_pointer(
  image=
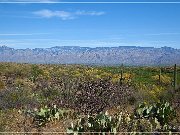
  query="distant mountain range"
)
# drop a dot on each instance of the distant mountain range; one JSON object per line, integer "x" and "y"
{"x": 128, "y": 55}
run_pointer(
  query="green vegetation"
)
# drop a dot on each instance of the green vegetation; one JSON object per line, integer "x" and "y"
{"x": 146, "y": 118}
{"x": 163, "y": 112}
{"x": 80, "y": 98}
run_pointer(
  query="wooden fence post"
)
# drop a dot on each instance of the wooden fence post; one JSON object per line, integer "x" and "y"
{"x": 175, "y": 77}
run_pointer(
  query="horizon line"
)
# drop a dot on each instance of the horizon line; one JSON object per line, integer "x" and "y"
{"x": 92, "y": 47}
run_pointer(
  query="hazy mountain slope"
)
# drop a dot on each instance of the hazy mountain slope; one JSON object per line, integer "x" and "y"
{"x": 100, "y": 55}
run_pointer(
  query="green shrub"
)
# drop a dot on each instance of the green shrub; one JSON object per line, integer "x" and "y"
{"x": 162, "y": 111}
{"x": 16, "y": 98}
{"x": 146, "y": 118}
{"x": 35, "y": 72}
{"x": 100, "y": 123}
{"x": 47, "y": 114}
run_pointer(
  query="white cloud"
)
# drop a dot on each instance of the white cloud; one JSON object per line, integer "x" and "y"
{"x": 64, "y": 15}
{"x": 49, "y": 14}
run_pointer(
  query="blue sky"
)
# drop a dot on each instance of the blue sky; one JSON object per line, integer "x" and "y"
{"x": 92, "y": 25}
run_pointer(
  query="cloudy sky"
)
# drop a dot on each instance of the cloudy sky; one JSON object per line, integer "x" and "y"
{"x": 47, "y": 24}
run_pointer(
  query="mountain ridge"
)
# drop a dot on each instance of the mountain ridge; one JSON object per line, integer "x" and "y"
{"x": 128, "y": 55}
